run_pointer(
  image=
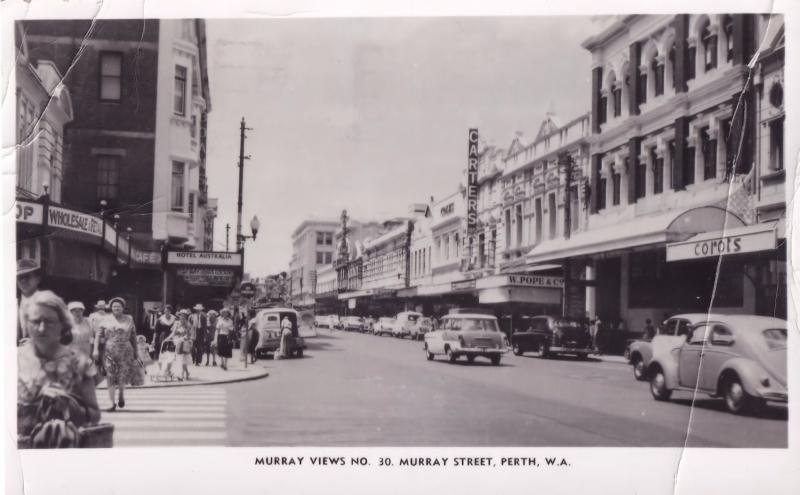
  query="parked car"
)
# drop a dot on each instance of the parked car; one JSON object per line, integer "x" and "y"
{"x": 671, "y": 333}
{"x": 322, "y": 321}
{"x": 467, "y": 332}
{"x": 334, "y": 322}
{"x": 267, "y": 323}
{"x": 353, "y": 323}
{"x": 407, "y": 324}
{"x": 383, "y": 326}
{"x": 743, "y": 361}
{"x": 549, "y": 335}
{"x": 425, "y": 325}
{"x": 369, "y": 324}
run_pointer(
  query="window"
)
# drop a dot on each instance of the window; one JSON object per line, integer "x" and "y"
{"x": 671, "y": 57}
{"x": 508, "y": 229}
{"x": 709, "y": 149}
{"x": 107, "y": 178}
{"x": 641, "y": 179}
{"x": 718, "y": 331}
{"x": 699, "y": 335}
{"x": 457, "y": 245}
{"x": 518, "y": 216}
{"x": 320, "y": 238}
{"x": 709, "y": 48}
{"x": 329, "y": 238}
{"x": 776, "y": 144}
{"x": 320, "y": 257}
{"x": 191, "y": 206}
{"x": 616, "y": 180}
{"x": 671, "y": 150}
{"x": 727, "y": 26}
{"x": 538, "y": 214}
{"x": 601, "y": 193}
{"x": 179, "y": 106}
{"x": 658, "y": 74}
{"x": 574, "y": 208}
{"x": 602, "y": 117}
{"x": 110, "y": 76}
{"x": 658, "y": 171}
{"x": 551, "y": 207}
{"x": 691, "y": 63}
{"x": 688, "y": 166}
{"x": 642, "y": 93}
{"x": 177, "y": 186}
{"x": 617, "y": 94}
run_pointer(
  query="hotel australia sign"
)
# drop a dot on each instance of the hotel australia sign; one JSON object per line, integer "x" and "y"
{"x": 206, "y": 268}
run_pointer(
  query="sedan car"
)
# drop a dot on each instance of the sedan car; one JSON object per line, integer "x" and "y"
{"x": 671, "y": 333}
{"x": 549, "y": 335}
{"x": 469, "y": 333}
{"x": 353, "y": 323}
{"x": 406, "y": 324}
{"x": 739, "y": 358}
{"x": 383, "y": 326}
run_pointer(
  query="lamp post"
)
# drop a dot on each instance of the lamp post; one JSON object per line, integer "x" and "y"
{"x": 129, "y": 230}
{"x": 116, "y": 238}
{"x": 255, "y": 225}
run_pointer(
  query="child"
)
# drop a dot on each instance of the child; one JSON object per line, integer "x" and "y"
{"x": 143, "y": 352}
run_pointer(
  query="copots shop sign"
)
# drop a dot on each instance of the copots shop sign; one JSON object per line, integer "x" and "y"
{"x": 721, "y": 246}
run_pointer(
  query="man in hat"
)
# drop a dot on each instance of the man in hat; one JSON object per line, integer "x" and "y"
{"x": 199, "y": 323}
{"x": 28, "y": 279}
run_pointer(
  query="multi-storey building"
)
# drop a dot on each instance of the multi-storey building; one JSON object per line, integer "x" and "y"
{"x": 675, "y": 169}
{"x": 134, "y": 160}
{"x": 313, "y": 246}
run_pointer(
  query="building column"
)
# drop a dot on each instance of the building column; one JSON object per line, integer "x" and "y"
{"x": 694, "y": 141}
{"x": 647, "y": 159}
{"x": 619, "y": 168}
{"x": 607, "y": 174}
{"x": 591, "y": 295}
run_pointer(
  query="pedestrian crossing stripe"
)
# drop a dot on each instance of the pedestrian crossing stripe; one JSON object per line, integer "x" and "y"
{"x": 168, "y": 417}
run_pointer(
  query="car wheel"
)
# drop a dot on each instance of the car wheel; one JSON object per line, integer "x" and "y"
{"x": 542, "y": 351}
{"x": 517, "y": 350}
{"x": 470, "y": 359}
{"x": 583, "y": 356}
{"x": 495, "y": 360}
{"x": 299, "y": 353}
{"x": 658, "y": 386}
{"x": 639, "y": 371}
{"x": 450, "y": 355}
{"x": 737, "y": 400}
{"x": 428, "y": 353}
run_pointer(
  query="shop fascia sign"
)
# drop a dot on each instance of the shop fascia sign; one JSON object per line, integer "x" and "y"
{"x": 29, "y": 212}
{"x": 216, "y": 258}
{"x": 521, "y": 280}
{"x": 472, "y": 181}
{"x": 723, "y": 245}
{"x": 206, "y": 276}
{"x": 74, "y": 221}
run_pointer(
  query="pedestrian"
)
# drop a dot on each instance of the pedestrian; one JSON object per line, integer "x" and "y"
{"x": 286, "y": 333}
{"x": 649, "y": 330}
{"x": 199, "y": 326}
{"x": 252, "y": 335}
{"x": 95, "y": 319}
{"x": 82, "y": 332}
{"x": 119, "y": 333}
{"x": 224, "y": 337}
{"x": 143, "y": 352}
{"x": 211, "y": 337}
{"x": 46, "y": 362}
{"x": 163, "y": 328}
{"x": 595, "y": 332}
{"x": 28, "y": 279}
{"x": 180, "y": 334}
{"x": 151, "y": 318}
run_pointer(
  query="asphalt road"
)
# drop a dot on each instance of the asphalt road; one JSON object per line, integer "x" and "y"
{"x": 361, "y": 390}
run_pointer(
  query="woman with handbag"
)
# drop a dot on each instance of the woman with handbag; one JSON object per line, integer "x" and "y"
{"x": 180, "y": 334}
{"x": 122, "y": 368}
{"x": 55, "y": 384}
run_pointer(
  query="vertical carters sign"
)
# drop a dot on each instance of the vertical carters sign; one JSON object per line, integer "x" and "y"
{"x": 472, "y": 182}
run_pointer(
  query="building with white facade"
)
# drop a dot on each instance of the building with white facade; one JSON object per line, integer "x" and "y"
{"x": 313, "y": 246}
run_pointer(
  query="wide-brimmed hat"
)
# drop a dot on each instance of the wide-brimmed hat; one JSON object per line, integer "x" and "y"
{"x": 198, "y": 307}
{"x": 225, "y": 310}
{"x": 184, "y": 312}
{"x": 100, "y": 304}
{"x": 212, "y": 312}
{"x": 76, "y": 305}
{"x": 26, "y": 266}
{"x": 117, "y": 299}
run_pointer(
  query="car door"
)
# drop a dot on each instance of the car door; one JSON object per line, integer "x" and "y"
{"x": 690, "y": 356}
{"x": 719, "y": 350}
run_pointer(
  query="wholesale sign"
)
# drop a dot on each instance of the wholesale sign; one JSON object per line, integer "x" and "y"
{"x": 472, "y": 182}
{"x": 75, "y": 221}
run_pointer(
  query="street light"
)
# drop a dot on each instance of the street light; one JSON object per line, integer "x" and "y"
{"x": 255, "y": 225}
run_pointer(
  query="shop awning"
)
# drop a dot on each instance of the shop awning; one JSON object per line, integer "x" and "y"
{"x": 640, "y": 231}
{"x": 732, "y": 241}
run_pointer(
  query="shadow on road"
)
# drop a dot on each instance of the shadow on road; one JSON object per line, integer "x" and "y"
{"x": 775, "y": 412}
{"x": 563, "y": 358}
{"x": 479, "y": 364}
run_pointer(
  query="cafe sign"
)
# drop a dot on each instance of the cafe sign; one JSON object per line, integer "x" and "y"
{"x": 215, "y": 258}
{"x": 706, "y": 247}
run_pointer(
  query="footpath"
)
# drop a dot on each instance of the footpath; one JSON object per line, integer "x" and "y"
{"x": 203, "y": 375}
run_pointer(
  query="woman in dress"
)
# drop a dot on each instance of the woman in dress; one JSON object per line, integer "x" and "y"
{"x": 224, "y": 337}
{"x": 180, "y": 334}
{"x": 163, "y": 328}
{"x": 82, "y": 332}
{"x": 49, "y": 369}
{"x": 119, "y": 333}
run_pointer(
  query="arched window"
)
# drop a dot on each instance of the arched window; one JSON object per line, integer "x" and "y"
{"x": 657, "y": 69}
{"x": 709, "y": 41}
{"x": 671, "y": 61}
{"x": 727, "y": 27}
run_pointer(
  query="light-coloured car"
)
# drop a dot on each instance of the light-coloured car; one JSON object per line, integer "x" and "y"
{"x": 383, "y": 326}
{"x": 425, "y": 325}
{"x": 267, "y": 323}
{"x": 322, "y": 321}
{"x": 406, "y": 324}
{"x": 333, "y": 321}
{"x": 671, "y": 334}
{"x": 739, "y": 358}
{"x": 353, "y": 323}
{"x": 467, "y": 332}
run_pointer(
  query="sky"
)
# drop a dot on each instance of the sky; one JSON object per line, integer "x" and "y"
{"x": 371, "y": 115}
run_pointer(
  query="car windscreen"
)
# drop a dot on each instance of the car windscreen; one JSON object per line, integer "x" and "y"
{"x": 412, "y": 318}
{"x": 775, "y": 338}
{"x": 471, "y": 324}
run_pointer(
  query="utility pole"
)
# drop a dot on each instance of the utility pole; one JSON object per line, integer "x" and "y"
{"x": 242, "y": 158}
{"x": 227, "y": 236}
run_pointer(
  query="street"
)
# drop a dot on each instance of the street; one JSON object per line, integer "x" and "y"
{"x": 360, "y": 390}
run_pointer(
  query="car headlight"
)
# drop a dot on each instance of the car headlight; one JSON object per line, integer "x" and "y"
{"x": 765, "y": 381}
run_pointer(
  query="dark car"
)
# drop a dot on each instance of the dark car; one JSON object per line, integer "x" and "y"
{"x": 550, "y": 335}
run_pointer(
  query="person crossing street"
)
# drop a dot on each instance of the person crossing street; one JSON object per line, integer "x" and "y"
{"x": 198, "y": 322}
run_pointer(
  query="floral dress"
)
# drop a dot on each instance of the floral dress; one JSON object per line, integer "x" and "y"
{"x": 120, "y": 356}
{"x": 65, "y": 371}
